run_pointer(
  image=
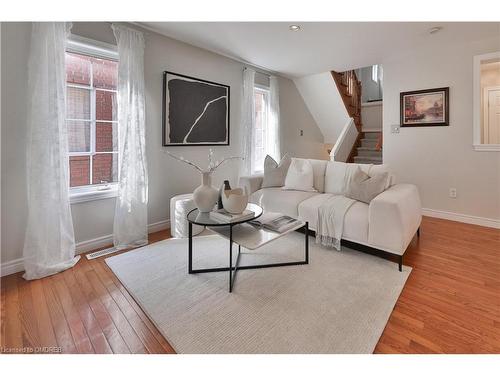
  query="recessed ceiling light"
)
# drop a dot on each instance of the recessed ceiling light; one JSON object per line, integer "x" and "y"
{"x": 434, "y": 30}
{"x": 294, "y": 27}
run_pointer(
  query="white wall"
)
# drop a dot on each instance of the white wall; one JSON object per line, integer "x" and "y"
{"x": 370, "y": 90}
{"x": 371, "y": 116}
{"x": 167, "y": 177}
{"x": 323, "y": 99}
{"x": 437, "y": 158}
{"x": 294, "y": 118}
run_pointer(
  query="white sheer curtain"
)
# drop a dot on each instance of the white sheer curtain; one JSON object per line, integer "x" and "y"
{"x": 248, "y": 113}
{"x": 130, "y": 224}
{"x": 49, "y": 245}
{"x": 273, "y": 146}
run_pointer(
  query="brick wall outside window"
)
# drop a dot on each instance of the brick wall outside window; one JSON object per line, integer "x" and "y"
{"x": 79, "y": 170}
{"x": 90, "y": 79}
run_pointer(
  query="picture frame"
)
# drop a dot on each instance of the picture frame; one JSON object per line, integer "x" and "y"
{"x": 195, "y": 112}
{"x": 422, "y": 108}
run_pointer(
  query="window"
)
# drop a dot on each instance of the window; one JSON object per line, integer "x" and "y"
{"x": 91, "y": 97}
{"x": 486, "y": 102}
{"x": 262, "y": 135}
{"x": 375, "y": 73}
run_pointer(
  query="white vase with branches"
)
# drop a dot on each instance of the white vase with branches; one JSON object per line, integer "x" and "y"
{"x": 205, "y": 196}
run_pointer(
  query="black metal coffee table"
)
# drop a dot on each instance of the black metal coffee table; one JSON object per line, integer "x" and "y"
{"x": 243, "y": 234}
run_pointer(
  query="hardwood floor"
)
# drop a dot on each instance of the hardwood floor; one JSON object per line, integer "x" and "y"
{"x": 82, "y": 310}
{"x": 450, "y": 304}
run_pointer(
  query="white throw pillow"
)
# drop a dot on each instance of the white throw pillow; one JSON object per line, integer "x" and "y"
{"x": 300, "y": 176}
{"x": 336, "y": 177}
{"x": 319, "y": 168}
{"x": 338, "y": 174}
{"x": 364, "y": 188}
{"x": 274, "y": 174}
{"x": 383, "y": 168}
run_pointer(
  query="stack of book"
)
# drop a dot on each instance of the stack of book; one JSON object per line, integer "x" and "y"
{"x": 223, "y": 216}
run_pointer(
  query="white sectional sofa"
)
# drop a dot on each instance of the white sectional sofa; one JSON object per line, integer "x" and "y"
{"x": 386, "y": 225}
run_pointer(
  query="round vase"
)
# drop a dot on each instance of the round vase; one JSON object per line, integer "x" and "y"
{"x": 205, "y": 196}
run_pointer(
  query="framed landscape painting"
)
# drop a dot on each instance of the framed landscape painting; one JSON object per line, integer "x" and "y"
{"x": 195, "y": 111}
{"x": 425, "y": 107}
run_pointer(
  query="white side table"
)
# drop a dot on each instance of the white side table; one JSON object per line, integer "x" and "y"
{"x": 180, "y": 205}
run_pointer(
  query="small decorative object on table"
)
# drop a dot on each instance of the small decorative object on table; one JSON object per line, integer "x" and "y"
{"x": 224, "y": 186}
{"x": 234, "y": 201}
{"x": 205, "y": 196}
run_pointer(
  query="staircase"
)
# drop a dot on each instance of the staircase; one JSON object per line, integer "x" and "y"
{"x": 367, "y": 148}
{"x": 369, "y": 151}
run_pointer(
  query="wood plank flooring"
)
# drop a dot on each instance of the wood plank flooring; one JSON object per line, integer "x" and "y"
{"x": 450, "y": 304}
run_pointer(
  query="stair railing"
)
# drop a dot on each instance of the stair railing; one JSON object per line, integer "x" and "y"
{"x": 350, "y": 90}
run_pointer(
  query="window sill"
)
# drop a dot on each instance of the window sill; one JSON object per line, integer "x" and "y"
{"x": 91, "y": 194}
{"x": 486, "y": 147}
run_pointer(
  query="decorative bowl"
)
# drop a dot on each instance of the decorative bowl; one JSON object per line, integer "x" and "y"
{"x": 234, "y": 201}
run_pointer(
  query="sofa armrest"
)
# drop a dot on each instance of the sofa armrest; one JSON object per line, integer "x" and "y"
{"x": 394, "y": 217}
{"x": 251, "y": 184}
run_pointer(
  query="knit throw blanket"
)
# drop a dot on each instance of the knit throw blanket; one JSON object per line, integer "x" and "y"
{"x": 331, "y": 221}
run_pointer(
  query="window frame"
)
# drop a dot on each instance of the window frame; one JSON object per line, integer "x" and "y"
{"x": 96, "y": 49}
{"x": 267, "y": 94}
{"x": 477, "y": 144}
{"x": 375, "y": 73}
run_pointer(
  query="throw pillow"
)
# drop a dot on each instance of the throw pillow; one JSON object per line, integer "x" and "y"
{"x": 337, "y": 176}
{"x": 364, "y": 188}
{"x": 300, "y": 176}
{"x": 381, "y": 168}
{"x": 319, "y": 168}
{"x": 274, "y": 174}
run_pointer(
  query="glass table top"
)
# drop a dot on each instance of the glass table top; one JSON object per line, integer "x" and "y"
{"x": 200, "y": 218}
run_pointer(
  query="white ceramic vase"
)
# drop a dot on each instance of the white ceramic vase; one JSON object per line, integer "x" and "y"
{"x": 205, "y": 196}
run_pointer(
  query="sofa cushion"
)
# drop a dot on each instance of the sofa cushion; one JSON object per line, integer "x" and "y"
{"x": 308, "y": 209}
{"x": 319, "y": 170}
{"x": 337, "y": 174}
{"x": 355, "y": 220}
{"x": 274, "y": 174}
{"x": 279, "y": 200}
{"x": 300, "y": 176}
{"x": 364, "y": 188}
{"x": 356, "y": 223}
{"x": 383, "y": 168}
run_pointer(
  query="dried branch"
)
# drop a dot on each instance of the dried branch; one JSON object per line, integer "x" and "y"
{"x": 184, "y": 161}
{"x": 212, "y": 165}
{"x": 223, "y": 161}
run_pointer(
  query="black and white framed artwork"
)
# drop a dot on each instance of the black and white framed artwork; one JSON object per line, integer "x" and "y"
{"x": 195, "y": 111}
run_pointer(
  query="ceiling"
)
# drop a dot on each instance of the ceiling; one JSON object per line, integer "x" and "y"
{"x": 318, "y": 46}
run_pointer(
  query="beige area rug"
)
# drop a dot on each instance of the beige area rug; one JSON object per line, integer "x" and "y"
{"x": 339, "y": 303}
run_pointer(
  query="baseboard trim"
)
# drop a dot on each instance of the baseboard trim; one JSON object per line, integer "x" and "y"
{"x": 462, "y": 218}
{"x": 16, "y": 265}
{"x": 13, "y": 266}
{"x": 158, "y": 226}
